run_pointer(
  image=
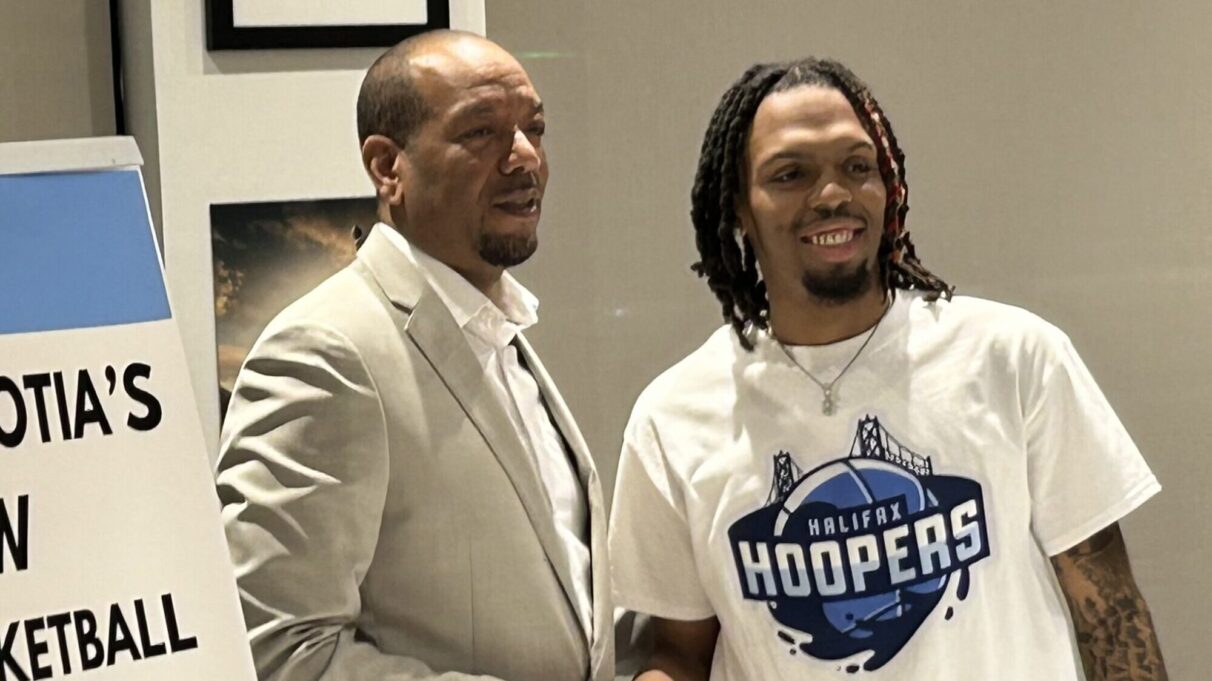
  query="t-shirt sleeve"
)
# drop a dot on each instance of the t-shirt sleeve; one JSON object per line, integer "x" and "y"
{"x": 653, "y": 568}
{"x": 1083, "y": 469}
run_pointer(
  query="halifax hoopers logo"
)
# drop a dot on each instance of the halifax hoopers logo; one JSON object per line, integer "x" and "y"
{"x": 852, "y": 556}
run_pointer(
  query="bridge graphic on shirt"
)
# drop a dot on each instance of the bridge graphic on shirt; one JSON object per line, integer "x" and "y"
{"x": 871, "y": 441}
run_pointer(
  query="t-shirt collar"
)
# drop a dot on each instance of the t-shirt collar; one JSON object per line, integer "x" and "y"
{"x": 843, "y": 350}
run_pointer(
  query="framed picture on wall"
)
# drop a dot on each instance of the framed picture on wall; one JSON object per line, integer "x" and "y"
{"x": 277, "y": 24}
{"x": 267, "y": 254}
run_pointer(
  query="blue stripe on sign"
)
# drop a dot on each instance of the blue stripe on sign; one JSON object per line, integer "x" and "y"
{"x": 76, "y": 251}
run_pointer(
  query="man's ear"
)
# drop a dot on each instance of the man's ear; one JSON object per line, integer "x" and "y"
{"x": 744, "y": 216}
{"x": 740, "y": 201}
{"x": 386, "y": 167}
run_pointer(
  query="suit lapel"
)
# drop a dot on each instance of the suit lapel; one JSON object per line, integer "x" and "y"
{"x": 603, "y": 613}
{"x": 559, "y": 410}
{"x": 440, "y": 340}
{"x": 434, "y": 332}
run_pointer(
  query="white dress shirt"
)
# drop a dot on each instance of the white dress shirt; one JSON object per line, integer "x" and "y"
{"x": 490, "y": 328}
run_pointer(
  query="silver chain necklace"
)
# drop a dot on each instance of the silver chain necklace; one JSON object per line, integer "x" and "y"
{"x": 828, "y": 404}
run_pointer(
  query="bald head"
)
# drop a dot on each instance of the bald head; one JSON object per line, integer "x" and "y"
{"x": 399, "y": 90}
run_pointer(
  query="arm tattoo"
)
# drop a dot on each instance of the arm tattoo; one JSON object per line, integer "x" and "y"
{"x": 1114, "y": 629}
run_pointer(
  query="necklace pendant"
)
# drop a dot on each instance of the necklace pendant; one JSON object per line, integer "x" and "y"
{"x": 827, "y": 404}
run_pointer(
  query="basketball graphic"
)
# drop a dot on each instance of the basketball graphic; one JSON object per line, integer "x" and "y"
{"x": 851, "y": 484}
{"x": 855, "y": 554}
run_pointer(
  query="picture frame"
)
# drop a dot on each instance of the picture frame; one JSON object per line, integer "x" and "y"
{"x": 294, "y": 27}
{"x": 266, "y": 254}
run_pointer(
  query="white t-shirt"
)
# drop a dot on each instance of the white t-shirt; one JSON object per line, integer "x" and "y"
{"x": 906, "y": 536}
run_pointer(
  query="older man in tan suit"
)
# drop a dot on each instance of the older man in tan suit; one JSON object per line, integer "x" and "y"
{"x": 405, "y": 494}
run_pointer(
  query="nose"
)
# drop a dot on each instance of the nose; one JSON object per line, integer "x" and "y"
{"x": 833, "y": 194}
{"x": 523, "y": 155}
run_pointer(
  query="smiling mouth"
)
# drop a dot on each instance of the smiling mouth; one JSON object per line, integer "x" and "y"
{"x": 835, "y": 237}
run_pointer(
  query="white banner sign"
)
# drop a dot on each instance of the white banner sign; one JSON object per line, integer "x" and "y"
{"x": 112, "y": 559}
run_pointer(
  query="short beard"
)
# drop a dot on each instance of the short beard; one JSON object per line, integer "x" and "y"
{"x": 839, "y": 288}
{"x": 502, "y": 250}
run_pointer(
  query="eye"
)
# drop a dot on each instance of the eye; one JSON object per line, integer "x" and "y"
{"x": 786, "y": 175}
{"x": 538, "y": 128}
{"x": 860, "y": 167}
{"x": 477, "y": 133}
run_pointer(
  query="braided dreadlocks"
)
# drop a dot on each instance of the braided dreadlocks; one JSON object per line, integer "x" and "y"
{"x": 728, "y": 259}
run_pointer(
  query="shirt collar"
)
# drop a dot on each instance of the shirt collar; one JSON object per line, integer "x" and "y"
{"x": 495, "y": 324}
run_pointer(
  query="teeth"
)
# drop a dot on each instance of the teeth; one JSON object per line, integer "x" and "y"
{"x": 832, "y": 238}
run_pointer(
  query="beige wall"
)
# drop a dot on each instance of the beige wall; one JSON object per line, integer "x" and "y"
{"x": 1056, "y": 155}
{"x": 1057, "y": 160}
{"x": 55, "y": 70}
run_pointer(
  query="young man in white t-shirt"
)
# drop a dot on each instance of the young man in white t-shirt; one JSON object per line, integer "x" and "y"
{"x": 860, "y": 474}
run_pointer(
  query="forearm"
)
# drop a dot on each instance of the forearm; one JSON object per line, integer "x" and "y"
{"x": 664, "y": 667}
{"x": 1117, "y": 640}
{"x": 1112, "y": 623}
{"x": 682, "y": 650}
{"x": 321, "y": 656}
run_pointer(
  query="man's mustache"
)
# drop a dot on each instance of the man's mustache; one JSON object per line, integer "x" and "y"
{"x": 824, "y": 213}
{"x": 521, "y": 183}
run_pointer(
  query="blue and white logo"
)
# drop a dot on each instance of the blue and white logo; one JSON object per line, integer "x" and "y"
{"x": 853, "y": 555}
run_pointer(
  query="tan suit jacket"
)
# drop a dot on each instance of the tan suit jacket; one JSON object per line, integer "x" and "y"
{"x": 385, "y": 519}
